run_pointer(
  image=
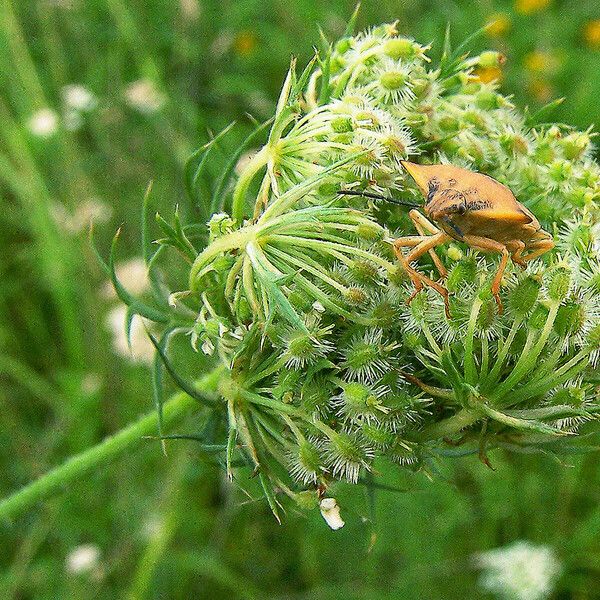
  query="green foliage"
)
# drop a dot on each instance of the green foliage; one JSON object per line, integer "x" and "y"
{"x": 170, "y": 527}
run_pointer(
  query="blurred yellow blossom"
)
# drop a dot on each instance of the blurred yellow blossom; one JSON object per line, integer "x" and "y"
{"x": 541, "y": 61}
{"x": 528, "y": 7}
{"x": 591, "y": 34}
{"x": 540, "y": 89}
{"x": 498, "y": 25}
{"x": 245, "y": 42}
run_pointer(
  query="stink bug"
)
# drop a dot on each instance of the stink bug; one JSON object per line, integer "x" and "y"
{"x": 472, "y": 208}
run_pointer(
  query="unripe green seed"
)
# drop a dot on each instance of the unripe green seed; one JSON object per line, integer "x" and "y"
{"x": 487, "y": 315}
{"x": 222, "y": 264}
{"x": 449, "y": 124}
{"x": 376, "y": 435}
{"x": 309, "y": 458}
{"x": 363, "y": 271}
{"x": 419, "y": 307}
{"x": 593, "y": 338}
{"x": 398, "y": 48}
{"x": 487, "y": 100}
{"x": 301, "y": 346}
{"x": 370, "y": 232}
{"x": 300, "y": 300}
{"x": 342, "y": 46}
{"x": 461, "y": 273}
{"x": 355, "y": 296}
{"x": 524, "y": 295}
{"x": 342, "y": 124}
{"x": 571, "y": 396}
{"x": 412, "y": 340}
{"x": 358, "y": 397}
{"x": 490, "y": 59}
{"x": 538, "y": 317}
{"x": 393, "y": 80}
{"x": 570, "y": 319}
{"x": 558, "y": 282}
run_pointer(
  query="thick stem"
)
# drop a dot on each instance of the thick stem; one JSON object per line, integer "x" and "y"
{"x": 81, "y": 464}
{"x": 241, "y": 188}
{"x": 448, "y": 427}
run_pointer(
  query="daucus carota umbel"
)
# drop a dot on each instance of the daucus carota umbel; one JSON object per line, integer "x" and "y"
{"x": 298, "y": 295}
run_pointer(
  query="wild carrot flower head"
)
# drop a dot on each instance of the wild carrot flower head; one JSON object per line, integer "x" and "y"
{"x": 330, "y": 359}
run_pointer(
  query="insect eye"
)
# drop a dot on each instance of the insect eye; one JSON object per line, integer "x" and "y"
{"x": 462, "y": 209}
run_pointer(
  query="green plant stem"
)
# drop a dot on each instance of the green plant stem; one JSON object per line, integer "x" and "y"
{"x": 81, "y": 464}
{"x": 241, "y": 188}
{"x": 448, "y": 427}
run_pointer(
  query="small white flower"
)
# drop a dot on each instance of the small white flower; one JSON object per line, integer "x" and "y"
{"x": 141, "y": 350}
{"x": 91, "y": 384}
{"x": 190, "y": 9}
{"x": 331, "y": 513}
{"x": 43, "y": 123}
{"x": 78, "y": 98}
{"x": 143, "y": 96}
{"x": 519, "y": 571}
{"x": 133, "y": 275}
{"x": 82, "y": 559}
{"x": 87, "y": 212}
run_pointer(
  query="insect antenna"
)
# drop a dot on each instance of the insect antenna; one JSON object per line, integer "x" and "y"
{"x": 378, "y": 197}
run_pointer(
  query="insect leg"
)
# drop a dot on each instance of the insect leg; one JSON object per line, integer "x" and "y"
{"x": 487, "y": 244}
{"x": 516, "y": 248}
{"x": 423, "y": 224}
{"x": 418, "y": 279}
{"x": 409, "y": 241}
{"x": 538, "y": 248}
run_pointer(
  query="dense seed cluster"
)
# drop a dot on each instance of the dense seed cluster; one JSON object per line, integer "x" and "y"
{"x": 303, "y": 302}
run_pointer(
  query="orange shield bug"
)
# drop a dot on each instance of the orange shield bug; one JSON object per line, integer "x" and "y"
{"x": 472, "y": 208}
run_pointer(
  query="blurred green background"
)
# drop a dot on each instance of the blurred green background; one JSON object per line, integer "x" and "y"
{"x": 97, "y": 98}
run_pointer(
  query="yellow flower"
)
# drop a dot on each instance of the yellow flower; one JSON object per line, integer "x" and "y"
{"x": 541, "y": 90}
{"x": 498, "y": 25}
{"x": 528, "y": 7}
{"x": 488, "y": 74}
{"x": 591, "y": 34}
{"x": 540, "y": 61}
{"x": 245, "y": 42}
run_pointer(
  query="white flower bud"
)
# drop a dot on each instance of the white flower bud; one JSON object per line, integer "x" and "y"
{"x": 82, "y": 559}
{"x": 43, "y": 123}
{"x": 331, "y": 513}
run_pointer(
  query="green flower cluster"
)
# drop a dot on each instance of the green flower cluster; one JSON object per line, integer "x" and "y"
{"x": 300, "y": 298}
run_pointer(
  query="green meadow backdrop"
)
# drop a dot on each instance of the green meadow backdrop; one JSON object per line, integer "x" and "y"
{"x": 98, "y": 98}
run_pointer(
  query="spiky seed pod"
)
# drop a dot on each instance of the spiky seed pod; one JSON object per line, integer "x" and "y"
{"x": 557, "y": 281}
{"x": 346, "y": 455}
{"x": 367, "y": 357}
{"x": 306, "y": 464}
{"x": 524, "y": 295}
{"x": 570, "y": 318}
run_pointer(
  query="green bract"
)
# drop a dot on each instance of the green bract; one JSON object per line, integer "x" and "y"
{"x": 298, "y": 295}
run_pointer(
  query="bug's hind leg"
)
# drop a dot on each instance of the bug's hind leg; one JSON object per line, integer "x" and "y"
{"x": 423, "y": 224}
{"x": 489, "y": 245}
{"x": 421, "y": 245}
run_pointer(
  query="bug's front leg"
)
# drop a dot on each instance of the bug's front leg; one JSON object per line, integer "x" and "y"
{"x": 421, "y": 245}
{"x": 538, "y": 247}
{"x": 423, "y": 224}
{"x": 489, "y": 245}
